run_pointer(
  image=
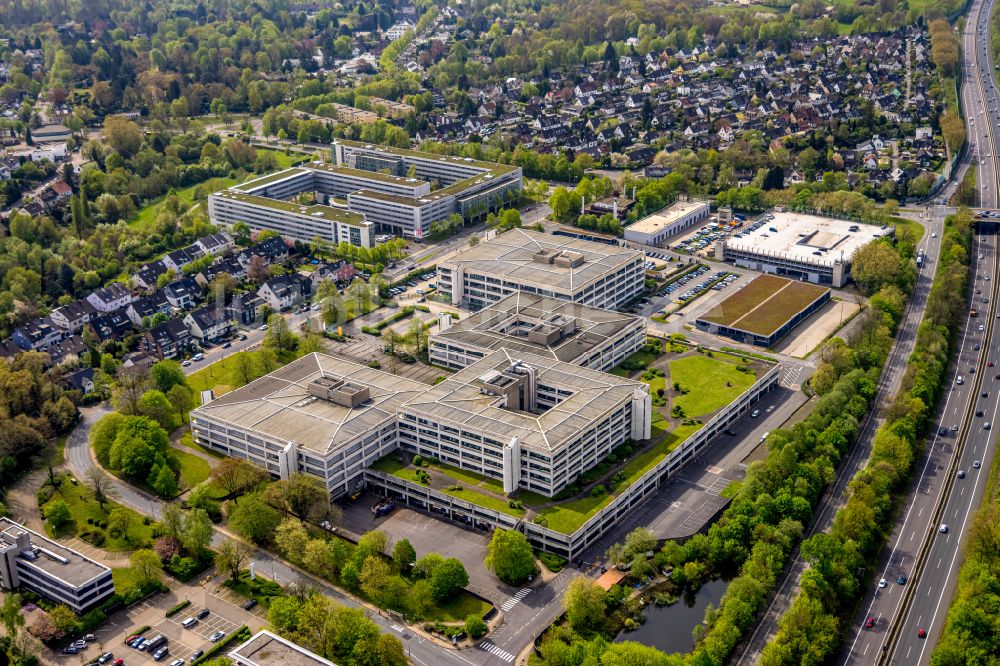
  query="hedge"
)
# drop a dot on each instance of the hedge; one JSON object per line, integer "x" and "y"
{"x": 178, "y": 608}
{"x": 376, "y": 330}
{"x": 412, "y": 274}
{"x": 240, "y": 635}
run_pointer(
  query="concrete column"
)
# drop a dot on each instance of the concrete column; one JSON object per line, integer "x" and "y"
{"x": 642, "y": 414}
{"x": 288, "y": 460}
{"x": 512, "y": 465}
{"x": 457, "y": 284}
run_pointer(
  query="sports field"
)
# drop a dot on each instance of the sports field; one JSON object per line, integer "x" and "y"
{"x": 764, "y": 305}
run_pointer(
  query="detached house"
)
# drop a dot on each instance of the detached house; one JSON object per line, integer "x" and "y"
{"x": 145, "y": 278}
{"x": 148, "y": 306}
{"x": 110, "y": 326}
{"x": 38, "y": 334}
{"x": 215, "y": 244}
{"x": 73, "y": 316}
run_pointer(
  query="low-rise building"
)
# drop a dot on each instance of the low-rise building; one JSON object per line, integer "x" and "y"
{"x": 34, "y": 562}
{"x": 110, "y": 298}
{"x": 267, "y": 649}
{"x": 38, "y": 334}
{"x": 284, "y": 291}
{"x": 656, "y": 228}
{"x": 209, "y": 323}
{"x": 148, "y": 306}
{"x": 183, "y": 294}
{"x": 167, "y": 340}
{"x": 73, "y": 316}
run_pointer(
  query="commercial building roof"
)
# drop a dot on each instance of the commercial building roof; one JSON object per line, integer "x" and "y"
{"x": 495, "y": 167}
{"x": 807, "y": 239}
{"x": 267, "y": 649}
{"x": 50, "y": 557}
{"x": 766, "y": 304}
{"x": 329, "y": 213}
{"x": 514, "y": 255}
{"x": 664, "y": 218}
{"x": 587, "y": 396}
{"x": 283, "y": 405}
{"x": 549, "y": 327}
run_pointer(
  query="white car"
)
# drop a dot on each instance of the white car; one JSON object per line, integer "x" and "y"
{"x": 943, "y": 529}
{"x": 882, "y": 583}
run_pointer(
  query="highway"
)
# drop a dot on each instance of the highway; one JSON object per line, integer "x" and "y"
{"x": 954, "y": 470}
{"x": 833, "y": 499}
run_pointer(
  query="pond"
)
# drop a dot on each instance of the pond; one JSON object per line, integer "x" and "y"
{"x": 668, "y": 628}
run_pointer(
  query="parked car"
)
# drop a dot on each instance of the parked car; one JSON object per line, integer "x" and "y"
{"x": 202, "y": 614}
{"x": 217, "y": 636}
{"x": 105, "y": 658}
{"x": 195, "y": 655}
{"x": 249, "y": 604}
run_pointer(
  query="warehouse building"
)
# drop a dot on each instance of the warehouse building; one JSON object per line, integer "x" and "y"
{"x": 803, "y": 247}
{"x": 543, "y": 326}
{"x": 369, "y": 188}
{"x": 35, "y": 562}
{"x": 533, "y": 422}
{"x": 595, "y": 274}
{"x": 656, "y": 228}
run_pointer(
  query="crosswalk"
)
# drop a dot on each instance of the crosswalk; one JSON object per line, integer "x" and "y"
{"x": 513, "y": 601}
{"x": 496, "y": 651}
{"x": 790, "y": 375}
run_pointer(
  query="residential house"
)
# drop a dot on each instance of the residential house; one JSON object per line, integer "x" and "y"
{"x": 73, "y": 316}
{"x": 215, "y": 244}
{"x": 183, "y": 294}
{"x": 167, "y": 340}
{"x": 110, "y": 326}
{"x": 81, "y": 380}
{"x": 224, "y": 266}
{"x": 145, "y": 278}
{"x": 148, "y": 306}
{"x": 38, "y": 334}
{"x": 138, "y": 359}
{"x": 284, "y": 291}
{"x": 244, "y": 308}
{"x": 209, "y": 323}
{"x": 273, "y": 250}
{"x": 113, "y": 297}
{"x": 65, "y": 348}
{"x": 178, "y": 259}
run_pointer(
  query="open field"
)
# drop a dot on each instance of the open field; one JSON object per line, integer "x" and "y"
{"x": 764, "y": 305}
{"x": 83, "y": 507}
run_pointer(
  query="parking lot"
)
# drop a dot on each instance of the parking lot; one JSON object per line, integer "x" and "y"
{"x": 225, "y": 613}
{"x": 702, "y": 241}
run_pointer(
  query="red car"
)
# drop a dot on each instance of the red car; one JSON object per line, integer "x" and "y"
{"x": 989, "y": 364}
{"x": 870, "y": 622}
{"x": 921, "y": 633}
{"x": 131, "y": 638}
{"x": 119, "y": 662}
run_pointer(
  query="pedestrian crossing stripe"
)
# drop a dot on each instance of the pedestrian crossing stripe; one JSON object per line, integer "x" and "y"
{"x": 496, "y": 651}
{"x": 510, "y": 603}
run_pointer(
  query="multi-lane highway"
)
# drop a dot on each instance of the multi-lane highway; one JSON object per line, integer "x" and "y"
{"x": 908, "y": 614}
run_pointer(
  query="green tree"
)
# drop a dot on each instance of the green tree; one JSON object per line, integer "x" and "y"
{"x": 163, "y": 480}
{"x": 123, "y": 135}
{"x": 373, "y": 575}
{"x": 64, "y": 619}
{"x": 231, "y": 556}
{"x": 119, "y": 521}
{"x": 475, "y": 626}
{"x": 182, "y": 399}
{"x": 146, "y": 566}
{"x": 404, "y": 555}
{"x": 510, "y": 557}
{"x": 166, "y": 374}
{"x": 291, "y": 538}
{"x": 254, "y": 519}
{"x": 639, "y": 541}
{"x": 303, "y": 495}
{"x": 57, "y": 513}
{"x": 283, "y": 613}
{"x": 138, "y": 441}
{"x": 10, "y": 613}
{"x": 155, "y": 405}
{"x": 198, "y": 531}
{"x": 370, "y": 543}
{"x": 448, "y": 578}
{"x": 584, "y": 604}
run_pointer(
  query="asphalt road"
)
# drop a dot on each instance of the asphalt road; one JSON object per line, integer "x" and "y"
{"x": 835, "y": 496}
{"x": 939, "y": 495}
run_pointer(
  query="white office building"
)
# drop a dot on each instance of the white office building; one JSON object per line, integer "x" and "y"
{"x": 568, "y": 269}
{"x": 656, "y": 228}
{"x": 548, "y": 327}
{"x": 35, "y": 562}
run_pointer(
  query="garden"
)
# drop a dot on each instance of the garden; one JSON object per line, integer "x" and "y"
{"x": 71, "y": 508}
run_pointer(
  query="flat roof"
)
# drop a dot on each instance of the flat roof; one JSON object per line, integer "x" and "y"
{"x": 67, "y": 565}
{"x": 329, "y": 213}
{"x": 402, "y": 181}
{"x": 765, "y": 305}
{"x": 280, "y": 406}
{"x": 459, "y": 400}
{"x": 267, "y": 649}
{"x": 496, "y": 167}
{"x": 504, "y": 324}
{"x": 510, "y": 255}
{"x": 664, "y": 218}
{"x": 807, "y": 239}
{"x": 268, "y": 179}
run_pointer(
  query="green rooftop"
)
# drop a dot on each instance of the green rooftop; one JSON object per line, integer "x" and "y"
{"x": 494, "y": 167}
{"x": 316, "y": 210}
{"x": 270, "y": 178}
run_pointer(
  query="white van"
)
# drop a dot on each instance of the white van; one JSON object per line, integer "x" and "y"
{"x": 764, "y": 436}
{"x": 189, "y": 622}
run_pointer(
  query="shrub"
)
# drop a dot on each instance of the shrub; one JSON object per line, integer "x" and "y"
{"x": 44, "y": 494}
{"x": 597, "y": 490}
{"x": 174, "y": 610}
{"x": 475, "y": 627}
{"x": 552, "y": 562}
{"x": 374, "y": 365}
{"x": 182, "y": 568}
{"x": 418, "y": 460}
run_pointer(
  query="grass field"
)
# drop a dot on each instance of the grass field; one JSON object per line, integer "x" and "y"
{"x": 125, "y": 580}
{"x": 567, "y": 517}
{"x": 193, "y": 469}
{"x": 221, "y": 375}
{"x": 83, "y": 506}
{"x": 705, "y": 379}
{"x": 764, "y": 305}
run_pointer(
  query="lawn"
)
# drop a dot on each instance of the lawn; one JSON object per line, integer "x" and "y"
{"x": 645, "y": 461}
{"x": 194, "y": 469}
{"x": 485, "y": 501}
{"x": 567, "y": 517}
{"x": 221, "y": 375}
{"x": 83, "y": 506}
{"x": 125, "y": 580}
{"x": 262, "y": 589}
{"x": 915, "y": 229}
{"x": 706, "y": 380}
{"x": 459, "y": 607}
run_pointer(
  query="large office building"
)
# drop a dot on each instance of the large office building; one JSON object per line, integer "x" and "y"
{"x": 803, "y": 247}
{"x": 567, "y": 269}
{"x": 367, "y": 188}
{"x": 532, "y": 422}
{"x": 35, "y": 562}
{"x": 656, "y": 228}
{"x": 532, "y": 324}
